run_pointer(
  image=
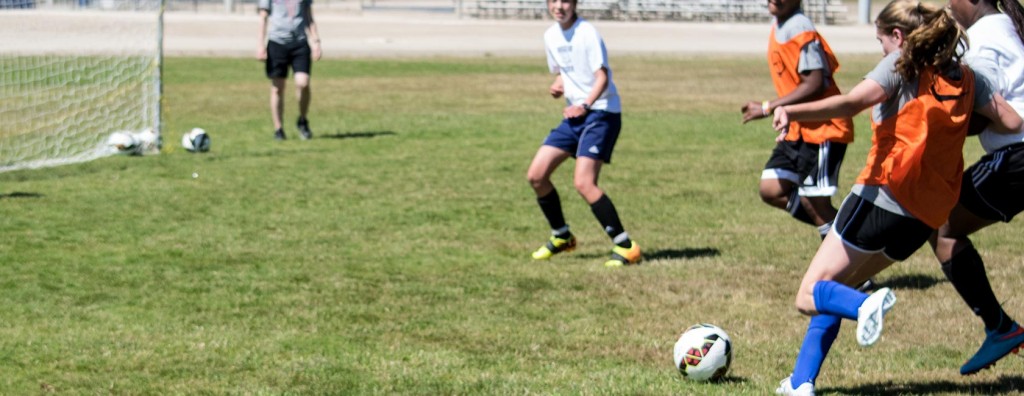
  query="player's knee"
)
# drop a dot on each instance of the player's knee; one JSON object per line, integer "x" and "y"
{"x": 537, "y": 181}
{"x": 585, "y": 187}
{"x": 804, "y": 303}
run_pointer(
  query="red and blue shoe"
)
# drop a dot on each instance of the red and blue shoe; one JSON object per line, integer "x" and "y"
{"x": 996, "y": 346}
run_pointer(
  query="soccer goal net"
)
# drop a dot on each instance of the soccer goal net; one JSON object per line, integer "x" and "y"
{"x": 72, "y": 74}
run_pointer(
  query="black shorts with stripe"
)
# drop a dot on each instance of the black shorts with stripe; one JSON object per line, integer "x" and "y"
{"x": 872, "y": 229}
{"x": 812, "y": 167}
{"x": 993, "y": 188}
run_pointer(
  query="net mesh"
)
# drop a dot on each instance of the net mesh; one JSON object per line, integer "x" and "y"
{"x": 71, "y": 78}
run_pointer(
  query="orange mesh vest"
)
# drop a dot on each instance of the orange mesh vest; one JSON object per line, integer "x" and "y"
{"x": 918, "y": 152}
{"x": 784, "y": 59}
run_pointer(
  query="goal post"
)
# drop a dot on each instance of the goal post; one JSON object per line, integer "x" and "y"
{"x": 72, "y": 74}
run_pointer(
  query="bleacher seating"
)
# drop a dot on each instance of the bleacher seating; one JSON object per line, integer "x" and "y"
{"x": 821, "y": 11}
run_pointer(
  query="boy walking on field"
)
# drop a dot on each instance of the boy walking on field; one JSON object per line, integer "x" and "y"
{"x": 590, "y": 126}
{"x": 802, "y": 173}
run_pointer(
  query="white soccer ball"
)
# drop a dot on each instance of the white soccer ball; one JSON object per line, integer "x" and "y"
{"x": 122, "y": 143}
{"x": 148, "y": 140}
{"x": 703, "y": 352}
{"x": 196, "y": 141}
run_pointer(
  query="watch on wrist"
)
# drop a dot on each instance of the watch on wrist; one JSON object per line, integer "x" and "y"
{"x": 585, "y": 106}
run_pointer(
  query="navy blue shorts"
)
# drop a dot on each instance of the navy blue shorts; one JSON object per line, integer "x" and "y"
{"x": 868, "y": 228}
{"x": 592, "y": 136}
{"x": 993, "y": 188}
{"x": 296, "y": 55}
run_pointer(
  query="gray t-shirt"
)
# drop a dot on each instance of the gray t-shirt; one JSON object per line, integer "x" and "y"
{"x": 899, "y": 93}
{"x": 812, "y": 56}
{"x": 287, "y": 21}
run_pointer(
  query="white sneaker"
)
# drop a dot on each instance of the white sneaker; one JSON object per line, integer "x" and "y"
{"x": 870, "y": 315}
{"x": 786, "y": 388}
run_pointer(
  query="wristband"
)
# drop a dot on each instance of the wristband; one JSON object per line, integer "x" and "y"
{"x": 585, "y": 106}
{"x": 766, "y": 108}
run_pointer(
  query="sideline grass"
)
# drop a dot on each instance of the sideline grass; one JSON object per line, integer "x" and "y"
{"x": 390, "y": 254}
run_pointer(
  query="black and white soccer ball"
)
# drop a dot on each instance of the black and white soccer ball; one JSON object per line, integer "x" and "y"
{"x": 196, "y": 141}
{"x": 703, "y": 353}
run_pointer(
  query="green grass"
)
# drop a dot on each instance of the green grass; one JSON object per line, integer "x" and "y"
{"x": 390, "y": 255}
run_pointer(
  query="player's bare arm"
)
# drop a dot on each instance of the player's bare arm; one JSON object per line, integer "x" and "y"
{"x": 261, "y": 48}
{"x": 581, "y": 109}
{"x": 312, "y": 35}
{"x": 862, "y": 96}
{"x": 812, "y": 84}
{"x": 557, "y": 88}
{"x": 1002, "y": 117}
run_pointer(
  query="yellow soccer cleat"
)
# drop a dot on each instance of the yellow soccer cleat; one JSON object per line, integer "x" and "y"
{"x": 622, "y": 256}
{"x": 554, "y": 246}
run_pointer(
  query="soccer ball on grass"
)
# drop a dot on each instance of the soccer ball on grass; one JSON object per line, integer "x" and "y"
{"x": 703, "y": 353}
{"x": 196, "y": 141}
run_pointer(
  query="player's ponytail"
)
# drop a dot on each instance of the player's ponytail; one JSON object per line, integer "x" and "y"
{"x": 931, "y": 36}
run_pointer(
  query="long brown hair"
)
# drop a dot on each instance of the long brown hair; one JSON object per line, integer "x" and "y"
{"x": 931, "y": 36}
{"x": 1013, "y": 10}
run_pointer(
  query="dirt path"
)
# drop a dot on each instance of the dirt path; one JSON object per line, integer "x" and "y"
{"x": 398, "y": 34}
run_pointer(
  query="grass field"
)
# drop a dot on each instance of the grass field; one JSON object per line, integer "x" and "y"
{"x": 390, "y": 255}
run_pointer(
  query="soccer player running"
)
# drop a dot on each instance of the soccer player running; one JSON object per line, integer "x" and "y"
{"x": 288, "y": 37}
{"x": 590, "y": 126}
{"x": 803, "y": 171}
{"x": 923, "y": 98}
{"x": 993, "y": 188}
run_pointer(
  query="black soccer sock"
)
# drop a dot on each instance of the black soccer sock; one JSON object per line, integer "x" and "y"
{"x": 796, "y": 209}
{"x": 606, "y": 214}
{"x": 551, "y": 206}
{"x": 966, "y": 271}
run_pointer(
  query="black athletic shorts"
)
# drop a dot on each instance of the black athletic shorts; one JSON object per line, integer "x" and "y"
{"x": 869, "y": 228}
{"x": 812, "y": 167}
{"x": 993, "y": 188}
{"x": 281, "y": 56}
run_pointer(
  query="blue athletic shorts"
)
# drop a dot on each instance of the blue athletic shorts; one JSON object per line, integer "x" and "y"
{"x": 592, "y": 136}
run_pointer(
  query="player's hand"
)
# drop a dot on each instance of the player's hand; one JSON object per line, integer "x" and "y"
{"x": 317, "y": 51}
{"x": 261, "y": 54}
{"x": 781, "y": 123}
{"x": 574, "y": 111}
{"x": 752, "y": 111}
{"x": 557, "y": 89}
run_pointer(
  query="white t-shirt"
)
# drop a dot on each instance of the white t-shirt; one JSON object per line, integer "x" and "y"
{"x": 997, "y": 53}
{"x": 577, "y": 53}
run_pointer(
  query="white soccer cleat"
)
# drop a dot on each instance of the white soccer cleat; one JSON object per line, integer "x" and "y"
{"x": 870, "y": 315}
{"x": 786, "y": 388}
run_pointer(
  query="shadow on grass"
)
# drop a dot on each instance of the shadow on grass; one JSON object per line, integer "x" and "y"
{"x": 1011, "y": 384}
{"x": 668, "y": 254}
{"x": 917, "y": 281}
{"x": 357, "y": 135}
{"x": 20, "y": 195}
{"x": 688, "y": 253}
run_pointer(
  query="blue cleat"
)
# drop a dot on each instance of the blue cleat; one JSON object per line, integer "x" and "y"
{"x": 994, "y": 348}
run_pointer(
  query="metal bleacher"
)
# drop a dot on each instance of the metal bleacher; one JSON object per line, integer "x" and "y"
{"x": 821, "y": 11}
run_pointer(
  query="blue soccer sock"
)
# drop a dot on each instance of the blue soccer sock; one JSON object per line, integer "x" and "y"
{"x": 821, "y": 333}
{"x": 834, "y": 298}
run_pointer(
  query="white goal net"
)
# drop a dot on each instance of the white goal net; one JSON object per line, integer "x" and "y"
{"x": 72, "y": 75}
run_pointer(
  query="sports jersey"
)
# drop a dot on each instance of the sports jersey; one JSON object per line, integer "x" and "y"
{"x": 287, "y": 22}
{"x": 576, "y": 54}
{"x": 796, "y": 47}
{"x": 996, "y": 52}
{"x": 919, "y": 132}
